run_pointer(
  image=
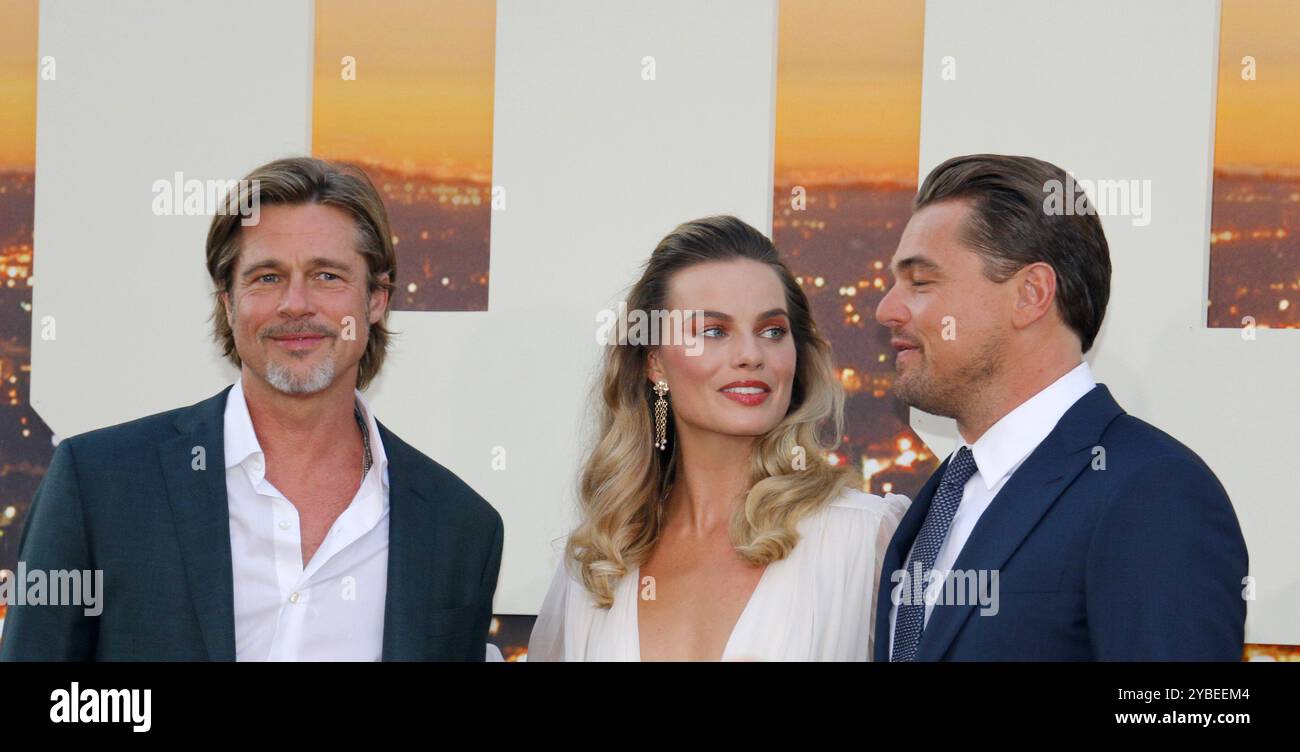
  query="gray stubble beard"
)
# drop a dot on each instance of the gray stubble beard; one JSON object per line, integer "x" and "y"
{"x": 284, "y": 379}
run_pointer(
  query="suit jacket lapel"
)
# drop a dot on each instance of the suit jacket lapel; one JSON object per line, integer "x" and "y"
{"x": 411, "y": 556}
{"x": 1021, "y": 503}
{"x": 197, "y": 493}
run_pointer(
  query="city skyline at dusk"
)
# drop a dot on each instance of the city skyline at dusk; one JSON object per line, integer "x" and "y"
{"x": 1255, "y": 220}
{"x": 847, "y": 136}
{"x": 417, "y": 116}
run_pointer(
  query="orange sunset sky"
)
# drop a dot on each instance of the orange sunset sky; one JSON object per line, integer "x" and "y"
{"x": 849, "y": 88}
{"x": 18, "y": 84}
{"x": 849, "y": 73}
{"x": 1258, "y": 120}
{"x": 422, "y": 98}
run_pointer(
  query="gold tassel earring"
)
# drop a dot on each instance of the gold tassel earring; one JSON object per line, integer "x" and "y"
{"x": 661, "y": 416}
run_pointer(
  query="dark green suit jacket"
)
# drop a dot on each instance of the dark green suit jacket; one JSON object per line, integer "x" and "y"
{"x": 129, "y": 500}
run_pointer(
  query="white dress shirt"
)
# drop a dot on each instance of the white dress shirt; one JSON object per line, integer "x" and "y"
{"x": 998, "y": 453}
{"x": 331, "y": 609}
{"x": 816, "y": 604}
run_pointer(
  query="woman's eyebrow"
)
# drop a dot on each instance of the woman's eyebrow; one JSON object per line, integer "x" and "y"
{"x": 770, "y": 313}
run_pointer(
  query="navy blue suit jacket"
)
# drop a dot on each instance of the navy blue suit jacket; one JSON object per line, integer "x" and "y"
{"x": 1141, "y": 560}
{"x": 129, "y": 500}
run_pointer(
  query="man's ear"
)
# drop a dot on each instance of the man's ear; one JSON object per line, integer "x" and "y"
{"x": 1035, "y": 293}
{"x": 225, "y": 303}
{"x": 379, "y": 299}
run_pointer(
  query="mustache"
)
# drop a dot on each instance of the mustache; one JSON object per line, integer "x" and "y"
{"x": 283, "y": 330}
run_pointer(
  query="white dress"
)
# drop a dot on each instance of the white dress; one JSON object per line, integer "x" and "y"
{"x": 817, "y": 604}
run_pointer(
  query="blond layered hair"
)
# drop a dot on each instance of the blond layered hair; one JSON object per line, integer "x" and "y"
{"x": 625, "y": 480}
{"x": 304, "y": 180}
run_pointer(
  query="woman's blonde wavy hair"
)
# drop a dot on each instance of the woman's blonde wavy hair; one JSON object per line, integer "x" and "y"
{"x": 625, "y": 480}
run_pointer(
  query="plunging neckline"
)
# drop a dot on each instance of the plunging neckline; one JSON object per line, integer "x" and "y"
{"x": 735, "y": 628}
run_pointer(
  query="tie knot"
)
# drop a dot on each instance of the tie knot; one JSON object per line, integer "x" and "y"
{"x": 960, "y": 468}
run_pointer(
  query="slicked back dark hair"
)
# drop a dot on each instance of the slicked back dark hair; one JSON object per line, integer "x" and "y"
{"x": 1010, "y": 227}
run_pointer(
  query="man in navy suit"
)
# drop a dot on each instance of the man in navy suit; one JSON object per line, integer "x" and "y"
{"x": 277, "y": 520}
{"x": 1062, "y": 528}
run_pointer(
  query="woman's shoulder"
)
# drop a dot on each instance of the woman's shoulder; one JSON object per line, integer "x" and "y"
{"x": 568, "y": 589}
{"x": 842, "y": 542}
{"x": 569, "y": 614}
{"x": 851, "y": 523}
{"x": 856, "y": 501}
{"x": 851, "y": 517}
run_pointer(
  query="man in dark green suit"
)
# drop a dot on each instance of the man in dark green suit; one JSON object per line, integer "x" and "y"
{"x": 277, "y": 520}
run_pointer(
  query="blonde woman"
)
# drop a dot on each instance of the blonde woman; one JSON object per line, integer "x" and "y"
{"x": 712, "y": 526}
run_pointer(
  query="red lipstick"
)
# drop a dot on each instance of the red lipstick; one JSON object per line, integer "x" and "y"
{"x": 748, "y": 393}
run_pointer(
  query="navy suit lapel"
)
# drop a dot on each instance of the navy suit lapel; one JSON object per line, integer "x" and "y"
{"x": 896, "y": 556}
{"x": 197, "y": 493}
{"x": 1021, "y": 503}
{"x": 411, "y": 559}
{"x": 1027, "y": 495}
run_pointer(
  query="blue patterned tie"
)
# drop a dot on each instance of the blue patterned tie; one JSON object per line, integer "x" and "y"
{"x": 910, "y": 621}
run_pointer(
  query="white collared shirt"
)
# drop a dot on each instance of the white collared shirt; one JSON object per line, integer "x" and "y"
{"x": 998, "y": 454}
{"x": 331, "y": 609}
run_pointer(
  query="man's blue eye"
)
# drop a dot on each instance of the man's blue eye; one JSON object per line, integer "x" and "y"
{"x": 330, "y": 276}
{"x": 268, "y": 277}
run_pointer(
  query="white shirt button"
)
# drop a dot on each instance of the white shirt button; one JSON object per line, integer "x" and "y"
{"x": 284, "y": 524}
{"x": 293, "y": 598}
